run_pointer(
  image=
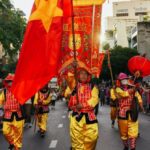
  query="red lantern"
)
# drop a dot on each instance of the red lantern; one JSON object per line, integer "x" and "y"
{"x": 139, "y": 66}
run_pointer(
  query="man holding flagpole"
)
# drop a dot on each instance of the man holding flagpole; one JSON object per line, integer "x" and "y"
{"x": 83, "y": 121}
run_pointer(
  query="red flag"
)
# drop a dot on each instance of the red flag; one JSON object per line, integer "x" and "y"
{"x": 40, "y": 52}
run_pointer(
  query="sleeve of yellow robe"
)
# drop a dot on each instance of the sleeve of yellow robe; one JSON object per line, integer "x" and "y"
{"x": 138, "y": 97}
{"x": 112, "y": 94}
{"x": 121, "y": 93}
{"x": 94, "y": 100}
{"x": 67, "y": 92}
{"x": 2, "y": 98}
{"x": 36, "y": 99}
{"x": 47, "y": 101}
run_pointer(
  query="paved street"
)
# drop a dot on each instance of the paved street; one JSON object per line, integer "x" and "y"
{"x": 58, "y": 133}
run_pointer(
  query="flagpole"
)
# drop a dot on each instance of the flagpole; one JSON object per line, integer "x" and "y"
{"x": 93, "y": 25}
{"x": 110, "y": 68}
{"x": 75, "y": 53}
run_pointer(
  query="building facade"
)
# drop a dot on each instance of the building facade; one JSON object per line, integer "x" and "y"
{"x": 126, "y": 14}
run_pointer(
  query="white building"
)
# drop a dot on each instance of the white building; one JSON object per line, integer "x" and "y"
{"x": 126, "y": 14}
{"x": 143, "y": 38}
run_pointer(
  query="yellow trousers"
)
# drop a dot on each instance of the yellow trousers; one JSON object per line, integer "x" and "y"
{"x": 128, "y": 129}
{"x": 113, "y": 113}
{"x": 42, "y": 121}
{"x": 13, "y": 132}
{"x": 83, "y": 136}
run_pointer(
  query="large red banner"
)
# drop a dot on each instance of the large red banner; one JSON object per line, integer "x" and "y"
{"x": 87, "y": 25}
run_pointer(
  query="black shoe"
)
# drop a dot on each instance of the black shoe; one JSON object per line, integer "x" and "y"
{"x": 42, "y": 134}
{"x": 126, "y": 148}
{"x": 39, "y": 131}
{"x": 113, "y": 124}
{"x": 11, "y": 147}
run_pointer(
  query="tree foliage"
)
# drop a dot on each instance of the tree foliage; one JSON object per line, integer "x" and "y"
{"x": 119, "y": 57}
{"x": 12, "y": 27}
{"x": 106, "y": 46}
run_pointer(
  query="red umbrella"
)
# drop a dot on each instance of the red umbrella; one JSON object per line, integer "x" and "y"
{"x": 139, "y": 66}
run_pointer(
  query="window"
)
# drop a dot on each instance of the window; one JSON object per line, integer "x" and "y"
{"x": 140, "y": 13}
{"x": 122, "y": 14}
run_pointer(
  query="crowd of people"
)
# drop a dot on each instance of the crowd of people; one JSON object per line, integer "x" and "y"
{"x": 125, "y": 97}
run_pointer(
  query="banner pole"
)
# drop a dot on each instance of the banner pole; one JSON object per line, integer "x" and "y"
{"x": 110, "y": 68}
{"x": 75, "y": 53}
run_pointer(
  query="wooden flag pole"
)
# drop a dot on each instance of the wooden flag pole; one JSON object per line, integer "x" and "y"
{"x": 75, "y": 53}
{"x": 110, "y": 68}
{"x": 93, "y": 25}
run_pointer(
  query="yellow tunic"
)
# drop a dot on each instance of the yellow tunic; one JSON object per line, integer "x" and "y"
{"x": 2, "y": 98}
{"x": 128, "y": 128}
{"x": 84, "y": 136}
{"x": 42, "y": 118}
{"x": 113, "y": 112}
{"x": 13, "y": 131}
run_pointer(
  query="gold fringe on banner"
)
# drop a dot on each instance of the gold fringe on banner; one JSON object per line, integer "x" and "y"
{"x": 87, "y": 2}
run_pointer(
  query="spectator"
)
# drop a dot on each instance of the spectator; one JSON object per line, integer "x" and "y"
{"x": 102, "y": 95}
{"x": 107, "y": 94}
{"x": 53, "y": 99}
{"x": 28, "y": 109}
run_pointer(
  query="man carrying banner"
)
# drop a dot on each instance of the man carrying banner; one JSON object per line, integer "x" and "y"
{"x": 13, "y": 120}
{"x": 41, "y": 101}
{"x": 128, "y": 98}
{"x": 83, "y": 122}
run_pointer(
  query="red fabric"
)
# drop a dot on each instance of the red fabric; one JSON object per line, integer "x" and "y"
{"x": 132, "y": 143}
{"x": 84, "y": 94}
{"x": 67, "y": 8}
{"x": 11, "y": 102}
{"x": 11, "y": 105}
{"x": 39, "y": 57}
{"x": 124, "y": 106}
{"x": 10, "y": 77}
{"x": 43, "y": 97}
{"x": 86, "y": 38}
{"x": 141, "y": 64}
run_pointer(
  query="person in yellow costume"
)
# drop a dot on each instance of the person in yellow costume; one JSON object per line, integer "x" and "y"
{"x": 83, "y": 121}
{"x": 128, "y": 98}
{"x": 13, "y": 120}
{"x": 113, "y": 106}
{"x": 41, "y": 102}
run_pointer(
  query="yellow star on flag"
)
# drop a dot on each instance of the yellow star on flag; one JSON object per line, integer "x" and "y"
{"x": 45, "y": 11}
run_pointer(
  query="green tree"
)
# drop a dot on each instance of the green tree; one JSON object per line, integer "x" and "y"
{"x": 106, "y": 46}
{"x": 119, "y": 57}
{"x": 12, "y": 27}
